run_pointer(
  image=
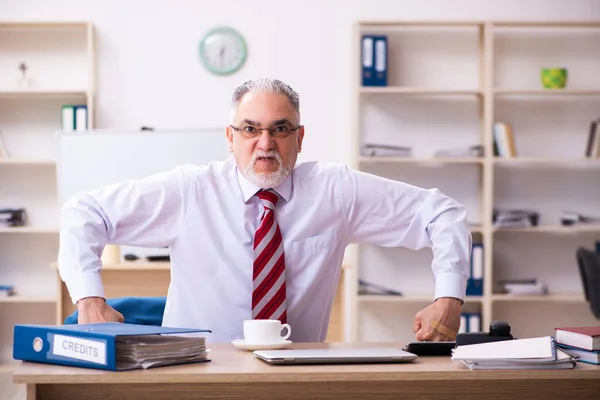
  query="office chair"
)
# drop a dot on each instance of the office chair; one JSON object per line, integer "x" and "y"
{"x": 589, "y": 269}
{"x": 135, "y": 310}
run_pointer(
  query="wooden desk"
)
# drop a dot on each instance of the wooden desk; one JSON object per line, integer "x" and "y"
{"x": 139, "y": 278}
{"x": 236, "y": 374}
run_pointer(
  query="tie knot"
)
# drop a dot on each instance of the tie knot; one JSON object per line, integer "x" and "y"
{"x": 268, "y": 197}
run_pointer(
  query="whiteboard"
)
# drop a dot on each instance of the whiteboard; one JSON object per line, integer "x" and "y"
{"x": 88, "y": 160}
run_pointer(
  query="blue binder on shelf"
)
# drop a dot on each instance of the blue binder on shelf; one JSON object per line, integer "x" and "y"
{"x": 475, "y": 281}
{"x": 374, "y": 56}
{"x": 470, "y": 322}
{"x": 95, "y": 345}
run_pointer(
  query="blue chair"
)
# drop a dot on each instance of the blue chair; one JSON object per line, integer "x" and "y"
{"x": 135, "y": 310}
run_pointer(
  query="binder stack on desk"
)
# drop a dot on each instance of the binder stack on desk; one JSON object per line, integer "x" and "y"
{"x": 109, "y": 346}
{"x": 530, "y": 353}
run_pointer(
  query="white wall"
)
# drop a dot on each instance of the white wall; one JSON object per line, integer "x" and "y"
{"x": 149, "y": 71}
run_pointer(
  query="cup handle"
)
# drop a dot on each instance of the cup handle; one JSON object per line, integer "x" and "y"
{"x": 289, "y": 331}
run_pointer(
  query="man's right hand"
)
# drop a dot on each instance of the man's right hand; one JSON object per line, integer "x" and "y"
{"x": 95, "y": 309}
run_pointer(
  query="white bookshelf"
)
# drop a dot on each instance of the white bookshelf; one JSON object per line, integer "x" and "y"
{"x": 448, "y": 83}
{"x": 60, "y": 58}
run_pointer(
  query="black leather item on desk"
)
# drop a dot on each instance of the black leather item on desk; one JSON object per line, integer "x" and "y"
{"x": 499, "y": 330}
{"x": 589, "y": 269}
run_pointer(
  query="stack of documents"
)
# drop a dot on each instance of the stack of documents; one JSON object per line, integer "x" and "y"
{"x": 466, "y": 151}
{"x": 524, "y": 287}
{"x": 515, "y": 218}
{"x": 110, "y": 346}
{"x": 531, "y": 353}
{"x": 134, "y": 352}
{"x": 371, "y": 149}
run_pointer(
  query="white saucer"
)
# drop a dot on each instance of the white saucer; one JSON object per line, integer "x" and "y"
{"x": 242, "y": 344}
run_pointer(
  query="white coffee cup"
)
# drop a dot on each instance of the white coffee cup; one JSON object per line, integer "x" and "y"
{"x": 265, "y": 331}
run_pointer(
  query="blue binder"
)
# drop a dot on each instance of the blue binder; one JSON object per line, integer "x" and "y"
{"x": 84, "y": 345}
{"x": 475, "y": 281}
{"x": 368, "y": 60}
{"x": 381, "y": 61}
{"x": 374, "y": 60}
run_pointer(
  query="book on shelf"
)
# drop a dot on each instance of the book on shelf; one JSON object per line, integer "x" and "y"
{"x": 583, "y": 337}
{"x": 504, "y": 140}
{"x": 475, "y": 280}
{"x": 592, "y": 148}
{"x": 528, "y": 353}
{"x": 3, "y": 151}
{"x": 470, "y": 322}
{"x": 74, "y": 118}
{"x": 374, "y": 60}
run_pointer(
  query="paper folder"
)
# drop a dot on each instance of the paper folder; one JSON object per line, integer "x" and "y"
{"x": 108, "y": 346}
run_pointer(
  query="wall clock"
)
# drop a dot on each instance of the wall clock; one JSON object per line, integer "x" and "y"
{"x": 223, "y": 50}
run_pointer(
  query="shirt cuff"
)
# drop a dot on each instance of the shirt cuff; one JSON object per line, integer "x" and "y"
{"x": 85, "y": 284}
{"x": 450, "y": 284}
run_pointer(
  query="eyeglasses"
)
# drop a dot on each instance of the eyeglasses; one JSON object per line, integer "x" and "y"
{"x": 251, "y": 131}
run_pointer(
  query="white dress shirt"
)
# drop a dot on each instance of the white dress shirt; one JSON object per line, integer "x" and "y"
{"x": 207, "y": 216}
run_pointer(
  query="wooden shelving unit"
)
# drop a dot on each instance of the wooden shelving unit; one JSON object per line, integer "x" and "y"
{"x": 28, "y": 299}
{"x": 555, "y": 297}
{"x": 421, "y": 160}
{"x": 60, "y": 60}
{"x": 419, "y": 91}
{"x": 25, "y": 229}
{"x": 369, "y": 298}
{"x": 448, "y": 83}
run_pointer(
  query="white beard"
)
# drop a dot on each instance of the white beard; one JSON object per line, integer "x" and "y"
{"x": 266, "y": 180}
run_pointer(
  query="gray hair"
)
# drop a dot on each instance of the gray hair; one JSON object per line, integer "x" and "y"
{"x": 265, "y": 85}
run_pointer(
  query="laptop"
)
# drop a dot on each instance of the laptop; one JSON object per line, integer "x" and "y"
{"x": 335, "y": 356}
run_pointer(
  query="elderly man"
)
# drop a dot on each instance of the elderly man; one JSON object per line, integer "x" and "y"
{"x": 260, "y": 236}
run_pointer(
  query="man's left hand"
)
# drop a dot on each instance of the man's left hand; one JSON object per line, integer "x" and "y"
{"x": 446, "y": 311}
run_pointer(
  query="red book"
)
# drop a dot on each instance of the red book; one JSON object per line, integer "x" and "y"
{"x": 584, "y": 337}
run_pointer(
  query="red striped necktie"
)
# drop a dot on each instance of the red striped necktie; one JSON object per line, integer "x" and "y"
{"x": 268, "y": 295}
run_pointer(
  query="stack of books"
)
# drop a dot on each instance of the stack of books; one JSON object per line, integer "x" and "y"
{"x": 523, "y": 287}
{"x": 582, "y": 342}
{"x": 385, "y": 150}
{"x": 530, "y": 353}
{"x": 515, "y": 218}
{"x": 465, "y": 151}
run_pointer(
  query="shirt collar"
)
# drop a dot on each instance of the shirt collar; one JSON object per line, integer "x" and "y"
{"x": 284, "y": 189}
